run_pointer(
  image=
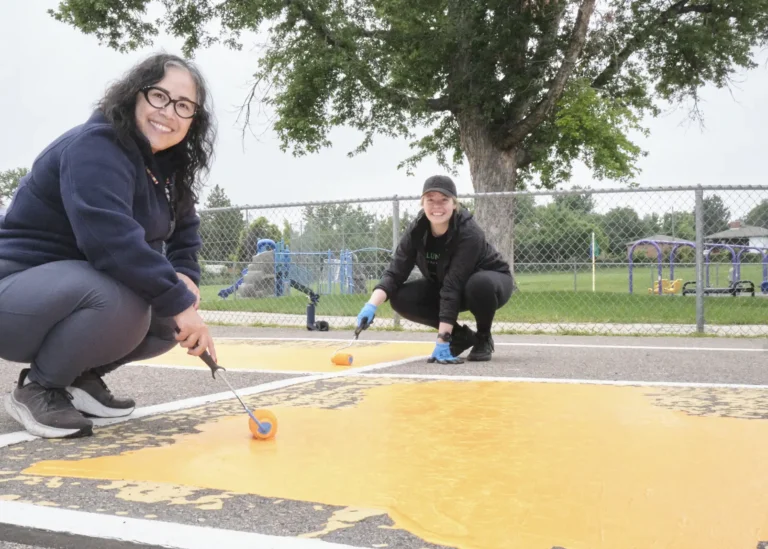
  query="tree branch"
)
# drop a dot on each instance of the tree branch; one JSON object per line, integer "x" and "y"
{"x": 704, "y": 8}
{"x": 538, "y": 64}
{"x": 513, "y": 133}
{"x": 438, "y": 104}
{"x": 524, "y": 157}
{"x": 530, "y": 153}
{"x": 678, "y": 8}
{"x": 315, "y": 23}
{"x": 376, "y": 33}
{"x": 393, "y": 96}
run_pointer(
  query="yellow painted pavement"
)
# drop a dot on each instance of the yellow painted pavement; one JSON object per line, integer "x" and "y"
{"x": 491, "y": 465}
{"x": 311, "y": 356}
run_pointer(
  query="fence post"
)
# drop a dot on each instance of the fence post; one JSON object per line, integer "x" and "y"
{"x": 699, "y": 209}
{"x": 575, "y": 274}
{"x": 395, "y": 242}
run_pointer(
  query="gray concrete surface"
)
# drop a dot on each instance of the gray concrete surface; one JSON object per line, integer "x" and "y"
{"x": 609, "y": 364}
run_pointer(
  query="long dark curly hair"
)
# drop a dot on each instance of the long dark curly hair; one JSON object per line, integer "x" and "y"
{"x": 191, "y": 157}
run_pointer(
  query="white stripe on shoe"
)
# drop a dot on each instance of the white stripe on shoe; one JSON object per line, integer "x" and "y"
{"x": 86, "y": 404}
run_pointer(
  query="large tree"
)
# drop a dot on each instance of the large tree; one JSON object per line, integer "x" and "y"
{"x": 220, "y": 230}
{"x": 522, "y": 88}
{"x": 758, "y": 216}
{"x": 338, "y": 226}
{"x": 716, "y": 215}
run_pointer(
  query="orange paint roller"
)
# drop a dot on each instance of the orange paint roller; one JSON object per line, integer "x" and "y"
{"x": 342, "y": 359}
{"x": 345, "y": 359}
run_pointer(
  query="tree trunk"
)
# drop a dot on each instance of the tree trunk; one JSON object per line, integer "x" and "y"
{"x": 492, "y": 170}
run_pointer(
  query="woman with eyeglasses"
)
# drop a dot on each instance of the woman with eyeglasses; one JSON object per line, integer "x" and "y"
{"x": 98, "y": 249}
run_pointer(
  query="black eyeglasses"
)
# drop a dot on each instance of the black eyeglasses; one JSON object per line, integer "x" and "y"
{"x": 159, "y": 98}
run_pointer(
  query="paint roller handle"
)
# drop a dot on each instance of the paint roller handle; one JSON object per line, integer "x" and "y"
{"x": 208, "y": 359}
{"x": 363, "y": 325}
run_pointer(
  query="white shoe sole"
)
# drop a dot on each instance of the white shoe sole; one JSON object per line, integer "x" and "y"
{"x": 21, "y": 413}
{"x": 86, "y": 404}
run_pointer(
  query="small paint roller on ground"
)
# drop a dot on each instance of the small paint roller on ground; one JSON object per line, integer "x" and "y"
{"x": 346, "y": 359}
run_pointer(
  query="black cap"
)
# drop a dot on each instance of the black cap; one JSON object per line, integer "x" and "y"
{"x": 440, "y": 183}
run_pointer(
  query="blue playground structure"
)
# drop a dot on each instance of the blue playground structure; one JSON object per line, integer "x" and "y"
{"x": 303, "y": 270}
{"x": 736, "y": 285}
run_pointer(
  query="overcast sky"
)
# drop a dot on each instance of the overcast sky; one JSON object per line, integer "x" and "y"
{"x": 51, "y": 75}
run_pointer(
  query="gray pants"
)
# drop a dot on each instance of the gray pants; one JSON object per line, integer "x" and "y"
{"x": 65, "y": 317}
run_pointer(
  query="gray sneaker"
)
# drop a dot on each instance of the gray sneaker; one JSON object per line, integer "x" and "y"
{"x": 46, "y": 413}
{"x": 91, "y": 396}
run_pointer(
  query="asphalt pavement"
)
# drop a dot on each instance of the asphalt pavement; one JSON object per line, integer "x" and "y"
{"x": 732, "y": 363}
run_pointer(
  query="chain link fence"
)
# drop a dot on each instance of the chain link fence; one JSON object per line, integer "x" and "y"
{"x": 663, "y": 261}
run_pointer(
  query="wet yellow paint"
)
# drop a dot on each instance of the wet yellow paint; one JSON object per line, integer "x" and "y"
{"x": 489, "y": 465}
{"x": 310, "y": 356}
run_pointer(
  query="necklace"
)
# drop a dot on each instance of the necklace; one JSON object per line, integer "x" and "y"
{"x": 167, "y": 181}
{"x": 170, "y": 196}
{"x": 168, "y": 188}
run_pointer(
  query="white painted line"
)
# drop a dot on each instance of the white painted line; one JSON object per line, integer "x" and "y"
{"x": 517, "y": 344}
{"x": 233, "y": 370}
{"x": 205, "y": 399}
{"x": 380, "y": 365}
{"x": 150, "y": 532}
{"x": 322, "y": 339}
{"x": 511, "y": 379}
{"x": 9, "y": 439}
{"x": 628, "y": 347}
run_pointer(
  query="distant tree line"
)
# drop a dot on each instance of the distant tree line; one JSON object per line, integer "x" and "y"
{"x": 556, "y": 233}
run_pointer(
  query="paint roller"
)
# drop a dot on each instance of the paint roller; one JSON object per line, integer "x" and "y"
{"x": 345, "y": 359}
{"x": 262, "y": 423}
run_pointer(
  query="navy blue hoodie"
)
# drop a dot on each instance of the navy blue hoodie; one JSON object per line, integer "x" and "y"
{"x": 89, "y": 197}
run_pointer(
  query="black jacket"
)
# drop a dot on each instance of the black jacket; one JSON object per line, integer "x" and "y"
{"x": 466, "y": 252}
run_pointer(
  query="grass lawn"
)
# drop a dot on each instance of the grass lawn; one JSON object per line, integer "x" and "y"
{"x": 616, "y": 279}
{"x": 550, "y": 298}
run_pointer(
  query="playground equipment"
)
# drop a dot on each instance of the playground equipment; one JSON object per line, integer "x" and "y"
{"x": 266, "y": 276}
{"x": 708, "y": 248}
{"x": 260, "y": 275}
{"x": 349, "y": 282}
{"x": 314, "y": 299}
{"x": 737, "y": 287}
{"x": 275, "y": 269}
{"x": 667, "y": 286}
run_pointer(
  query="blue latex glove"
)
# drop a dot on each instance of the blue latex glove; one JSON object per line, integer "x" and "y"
{"x": 368, "y": 312}
{"x": 442, "y": 354}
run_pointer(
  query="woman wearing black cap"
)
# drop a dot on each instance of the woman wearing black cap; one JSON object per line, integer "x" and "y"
{"x": 461, "y": 271}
